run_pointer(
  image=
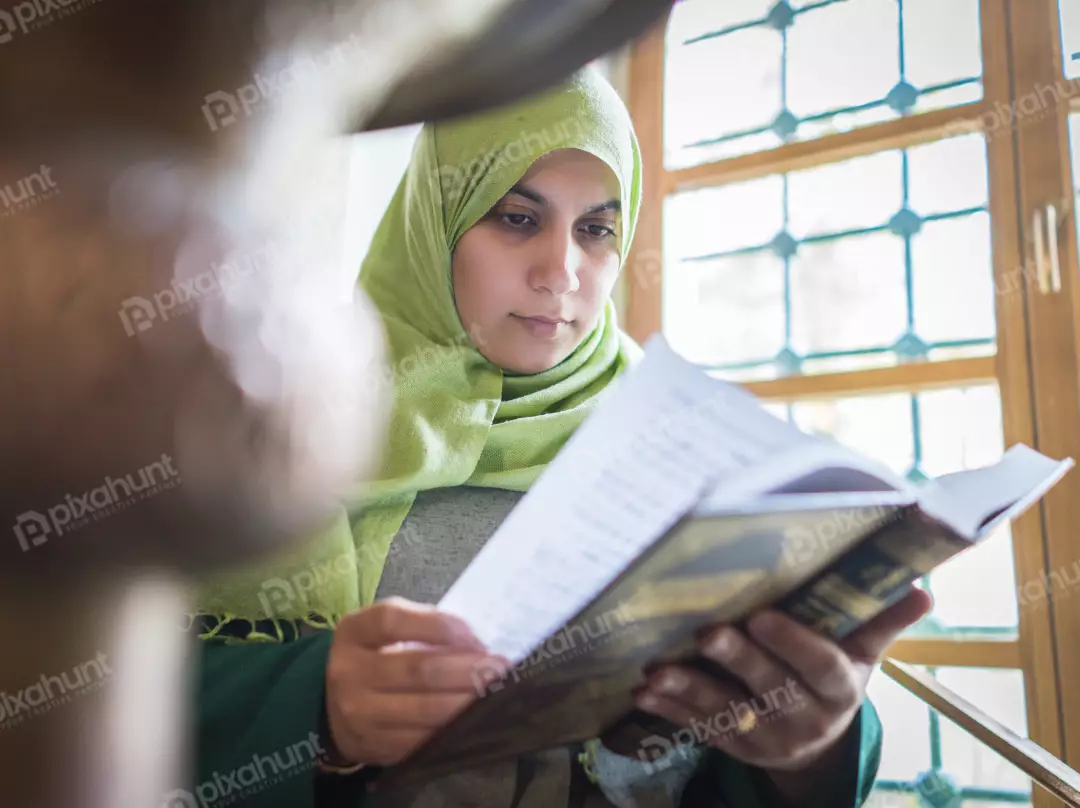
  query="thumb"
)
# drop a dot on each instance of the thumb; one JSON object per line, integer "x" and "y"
{"x": 868, "y": 643}
{"x": 396, "y": 620}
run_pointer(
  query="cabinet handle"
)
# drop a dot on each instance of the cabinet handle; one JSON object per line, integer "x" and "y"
{"x": 1052, "y": 239}
{"x": 1041, "y": 268}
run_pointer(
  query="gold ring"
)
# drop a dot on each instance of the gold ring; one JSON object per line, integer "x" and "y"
{"x": 747, "y": 722}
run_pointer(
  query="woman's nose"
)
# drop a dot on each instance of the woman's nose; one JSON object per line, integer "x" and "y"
{"x": 557, "y": 271}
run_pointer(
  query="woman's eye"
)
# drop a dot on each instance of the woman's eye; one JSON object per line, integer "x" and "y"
{"x": 599, "y": 231}
{"x": 517, "y": 219}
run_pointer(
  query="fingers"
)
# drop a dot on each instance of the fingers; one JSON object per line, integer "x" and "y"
{"x": 815, "y": 660}
{"x": 680, "y": 694}
{"x": 732, "y": 650}
{"x": 391, "y": 746}
{"x": 684, "y": 715}
{"x": 787, "y": 695}
{"x": 870, "y": 641}
{"x": 396, "y": 620}
{"x": 383, "y": 700}
{"x": 426, "y": 670}
{"x": 396, "y": 711}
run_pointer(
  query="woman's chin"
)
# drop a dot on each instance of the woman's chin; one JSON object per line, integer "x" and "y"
{"x": 536, "y": 359}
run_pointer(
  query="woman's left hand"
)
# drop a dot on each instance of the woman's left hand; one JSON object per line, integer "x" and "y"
{"x": 795, "y": 696}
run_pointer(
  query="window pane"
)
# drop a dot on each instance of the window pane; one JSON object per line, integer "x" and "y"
{"x": 842, "y": 55}
{"x": 721, "y": 87}
{"x": 876, "y": 426}
{"x": 948, "y": 97}
{"x": 747, "y": 75}
{"x": 864, "y": 192}
{"x": 714, "y": 220}
{"x": 848, "y": 294}
{"x": 886, "y": 259}
{"x": 692, "y": 20}
{"x": 942, "y": 41}
{"x": 953, "y": 280}
{"x": 905, "y": 749}
{"x": 961, "y": 429}
{"x": 948, "y": 175}
{"x": 928, "y": 760}
{"x": 976, "y": 589}
{"x": 727, "y": 310}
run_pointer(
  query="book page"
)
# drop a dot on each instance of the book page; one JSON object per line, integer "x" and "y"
{"x": 964, "y": 500}
{"x": 664, "y": 435}
{"x": 807, "y": 467}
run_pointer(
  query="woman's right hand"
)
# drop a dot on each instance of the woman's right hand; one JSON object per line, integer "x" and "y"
{"x": 384, "y": 697}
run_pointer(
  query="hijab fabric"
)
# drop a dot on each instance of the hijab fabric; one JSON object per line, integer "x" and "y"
{"x": 456, "y": 419}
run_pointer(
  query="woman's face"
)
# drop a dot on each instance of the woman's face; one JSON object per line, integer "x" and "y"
{"x": 532, "y": 276}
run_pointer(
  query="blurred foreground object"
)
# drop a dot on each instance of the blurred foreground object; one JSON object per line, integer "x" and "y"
{"x": 182, "y": 384}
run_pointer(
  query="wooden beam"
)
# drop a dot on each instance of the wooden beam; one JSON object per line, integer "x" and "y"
{"x": 643, "y": 268}
{"x": 901, "y": 378}
{"x": 1045, "y": 769}
{"x": 909, "y": 131}
{"x": 956, "y": 653}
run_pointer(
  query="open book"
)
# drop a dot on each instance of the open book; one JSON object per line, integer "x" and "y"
{"x": 679, "y": 503}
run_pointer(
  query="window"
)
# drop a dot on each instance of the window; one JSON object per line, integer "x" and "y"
{"x": 858, "y": 209}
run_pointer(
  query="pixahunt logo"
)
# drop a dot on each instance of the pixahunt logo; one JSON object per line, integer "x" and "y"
{"x": 33, "y": 14}
{"x": 455, "y": 180}
{"x": 658, "y": 753}
{"x": 817, "y": 540}
{"x": 28, "y": 191}
{"x": 139, "y": 313}
{"x": 50, "y": 692}
{"x": 261, "y": 773}
{"x": 568, "y": 643}
{"x": 33, "y": 528}
{"x": 222, "y": 108}
{"x": 280, "y": 595}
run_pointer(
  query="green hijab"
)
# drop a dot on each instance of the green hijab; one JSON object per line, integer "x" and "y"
{"x": 457, "y": 419}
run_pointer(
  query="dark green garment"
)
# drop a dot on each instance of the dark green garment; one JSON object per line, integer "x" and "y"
{"x": 258, "y": 706}
{"x": 255, "y": 701}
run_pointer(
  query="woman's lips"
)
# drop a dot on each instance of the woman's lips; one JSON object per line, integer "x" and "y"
{"x": 541, "y": 327}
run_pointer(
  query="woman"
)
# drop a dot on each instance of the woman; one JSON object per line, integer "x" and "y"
{"x": 493, "y": 268}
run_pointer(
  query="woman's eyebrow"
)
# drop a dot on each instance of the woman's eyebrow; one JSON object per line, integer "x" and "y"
{"x": 528, "y": 193}
{"x": 611, "y": 204}
{"x": 539, "y": 199}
